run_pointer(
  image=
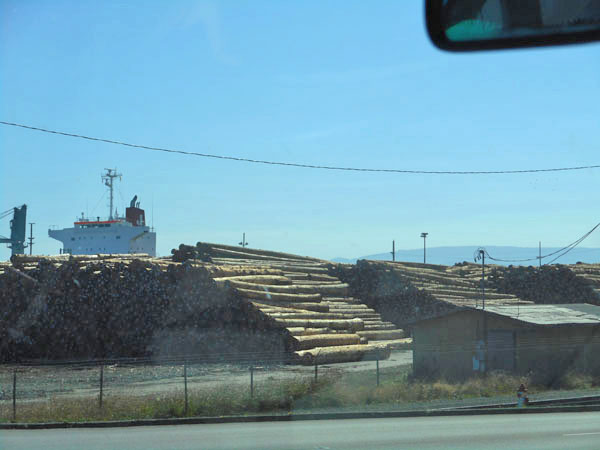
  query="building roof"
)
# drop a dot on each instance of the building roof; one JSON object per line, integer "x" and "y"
{"x": 549, "y": 315}
{"x": 575, "y": 313}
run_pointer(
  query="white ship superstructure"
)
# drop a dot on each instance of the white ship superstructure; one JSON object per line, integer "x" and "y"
{"x": 128, "y": 234}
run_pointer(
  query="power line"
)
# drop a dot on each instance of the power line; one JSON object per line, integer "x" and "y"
{"x": 301, "y": 165}
{"x": 575, "y": 244}
{"x": 563, "y": 251}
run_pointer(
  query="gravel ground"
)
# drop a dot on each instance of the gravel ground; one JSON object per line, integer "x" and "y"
{"x": 43, "y": 382}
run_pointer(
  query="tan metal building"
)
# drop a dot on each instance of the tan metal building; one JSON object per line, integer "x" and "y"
{"x": 548, "y": 340}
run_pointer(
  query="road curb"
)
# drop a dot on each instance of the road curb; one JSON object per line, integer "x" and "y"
{"x": 296, "y": 417}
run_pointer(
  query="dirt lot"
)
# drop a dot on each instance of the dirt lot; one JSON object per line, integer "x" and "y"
{"x": 44, "y": 382}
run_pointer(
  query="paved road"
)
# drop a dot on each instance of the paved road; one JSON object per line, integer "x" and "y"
{"x": 532, "y": 431}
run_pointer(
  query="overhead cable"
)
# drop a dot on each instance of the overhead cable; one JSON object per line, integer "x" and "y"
{"x": 563, "y": 251}
{"x": 302, "y": 165}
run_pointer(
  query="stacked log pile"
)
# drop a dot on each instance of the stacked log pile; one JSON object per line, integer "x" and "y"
{"x": 554, "y": 284}
{"x": 406, "y": 292}
{"x": 550, "y": 284}
{"x": 588, "y": 275}
{"x": 127, "y": 306}
{"x": 206, "y": 299}
{"x": 314, "y": 307}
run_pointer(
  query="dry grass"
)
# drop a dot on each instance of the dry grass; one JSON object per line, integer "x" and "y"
{"x": 276, "y": 396}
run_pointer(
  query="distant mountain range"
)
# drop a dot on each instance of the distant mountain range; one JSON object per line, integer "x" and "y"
{"x": 451, "y": 255}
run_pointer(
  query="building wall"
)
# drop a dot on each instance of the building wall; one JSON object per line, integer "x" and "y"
{"x": 549, "y": 352}
{"x": 447, "y": 346}
{"x": 444, "y": 347}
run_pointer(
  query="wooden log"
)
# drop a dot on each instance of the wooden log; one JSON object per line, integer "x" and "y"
{"x": 364, "y": 311}
{"x": 315, "y": 282}
{"x": 303, "y": 269}
{"x": 252, "y": 281}
{"x": 311, "y": 277}
{"x": 340, "y": 305}
{"x": 342, "y": 300}
{"x": 378, "y": 326}
{"x": 273, "y": 296}
{"x": 379, "y": 335}
{"x": 296, "y": 331}
{"x": 339, "y": 354}
{"x": 254, "y": 251}
{"x": 352, "y": 325}
{"x": 301, "y": 331}
{"x": 320, "y": 307}
{"x": 229, "y": 271}
{"x": 337, "y": 289}
{"x": 395, "y": 344}
{"x": 217, "y": 251}
{"x": 299, "y": 314}
{"x": 323, "y": 340}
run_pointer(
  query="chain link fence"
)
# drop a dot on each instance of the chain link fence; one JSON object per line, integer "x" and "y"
{"x": 144, "y": 388}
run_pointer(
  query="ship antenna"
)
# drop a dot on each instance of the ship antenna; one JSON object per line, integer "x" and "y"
{"x": 108, "y": 179}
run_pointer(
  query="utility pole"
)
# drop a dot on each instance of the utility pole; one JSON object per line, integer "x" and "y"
{"x": 244, "y": 244}
{"x": 539, "y": 274}
{"x": 31, "y": 224}
{"x": 108, "y": 179}
{"x": 393, "y": 250}
{"x": 424, "y": 236}
{"x": 480, "y": 255}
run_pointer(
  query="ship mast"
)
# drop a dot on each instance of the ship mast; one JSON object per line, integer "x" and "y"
{"x": 108, "y": 179}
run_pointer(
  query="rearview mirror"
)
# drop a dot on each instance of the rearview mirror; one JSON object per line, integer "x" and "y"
{"x": 462, "y": 25}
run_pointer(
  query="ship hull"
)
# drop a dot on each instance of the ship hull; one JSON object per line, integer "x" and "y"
{"x": 108, "y": 238}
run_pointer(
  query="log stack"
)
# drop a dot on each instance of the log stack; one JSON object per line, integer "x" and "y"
{"x": 588, "y": 283}
{"x": 550, "y": 284}
{"x": 206, "y": 299}
{"x": 405, "y": 292}
{"x": 127, "y": 306}
{"x": 313, "y": 306}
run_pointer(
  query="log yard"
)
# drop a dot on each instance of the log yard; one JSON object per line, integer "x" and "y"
{"x": 211, "y": 299}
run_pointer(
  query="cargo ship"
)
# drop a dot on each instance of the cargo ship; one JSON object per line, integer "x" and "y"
{"x": 115, "y": 234}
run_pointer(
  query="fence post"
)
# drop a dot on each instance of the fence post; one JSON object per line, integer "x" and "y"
{"x": 316, "y": 372}
{"x": 377, "y": 371}
{"x": 14, "y": 395}
{"x": 185, "y": 386}
{"x": 251, "y": 381}
{"x": 101, "y": 384}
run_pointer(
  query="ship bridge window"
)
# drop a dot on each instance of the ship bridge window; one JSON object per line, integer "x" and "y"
{"x": 118, "y": 237}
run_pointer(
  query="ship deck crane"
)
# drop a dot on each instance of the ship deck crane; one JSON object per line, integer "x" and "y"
{"x": 16, "y": 242}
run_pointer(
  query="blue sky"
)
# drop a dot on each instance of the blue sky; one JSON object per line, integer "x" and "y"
{"x": 348, "y": 83}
